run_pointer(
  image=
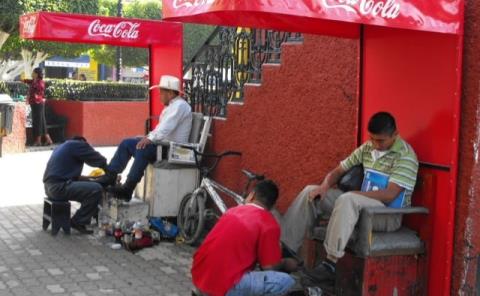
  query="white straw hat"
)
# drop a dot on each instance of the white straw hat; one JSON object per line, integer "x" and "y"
{"x": 168, "y": 82}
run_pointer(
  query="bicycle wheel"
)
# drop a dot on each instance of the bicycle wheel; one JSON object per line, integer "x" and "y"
{"x": 191, "y": 216}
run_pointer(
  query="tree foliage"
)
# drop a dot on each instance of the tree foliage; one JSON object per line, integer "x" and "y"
{"x": 9, "y": 22}
{"x": 193, "y": 35}
{"x": 131, "y": 56}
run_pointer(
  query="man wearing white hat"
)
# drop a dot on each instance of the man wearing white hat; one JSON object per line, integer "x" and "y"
{"x": 174, "y": 125}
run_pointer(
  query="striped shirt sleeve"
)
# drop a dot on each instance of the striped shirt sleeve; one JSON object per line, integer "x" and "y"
{"x": 404, "y": 172}
{"x": 354, "y": 159}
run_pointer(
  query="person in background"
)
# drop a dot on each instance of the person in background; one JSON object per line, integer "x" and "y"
{"x": 36, "y": 99}
{"x": 63, "y": 181}
{"x": 82, "y": 77}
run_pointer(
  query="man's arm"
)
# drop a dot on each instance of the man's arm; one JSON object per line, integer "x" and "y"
{"x": 386, "y": 195}
{"x": 331, "y": 179}
{"x": 90, "y": 156}
{"x": 168, "y": 123}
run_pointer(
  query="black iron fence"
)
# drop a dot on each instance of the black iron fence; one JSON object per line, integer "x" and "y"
{"x": 230, "y": 58}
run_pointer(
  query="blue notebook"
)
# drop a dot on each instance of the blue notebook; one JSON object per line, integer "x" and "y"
{"x": 374, "y": 180}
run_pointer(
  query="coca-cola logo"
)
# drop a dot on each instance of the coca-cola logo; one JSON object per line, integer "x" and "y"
{"x": 190, "y": 3}
{"x": 123, "y": 30}
{"x": 30, "y": 24}
{"x": 383, "y": 8}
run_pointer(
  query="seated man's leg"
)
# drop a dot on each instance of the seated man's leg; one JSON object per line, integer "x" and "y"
{"x": 89, "y": 194}
{"x": 141, "y": 159}
{"x": 125, "y": 151}
{"x": 343, "y": 219}
{"x": 119, "y": 162}
{"x": 344, "y": 216}
{"x": 302, "y": 214}
{"x": 268, "y": 283}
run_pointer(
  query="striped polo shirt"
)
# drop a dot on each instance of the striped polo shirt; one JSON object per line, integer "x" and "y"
{"x": 399, "y": 162}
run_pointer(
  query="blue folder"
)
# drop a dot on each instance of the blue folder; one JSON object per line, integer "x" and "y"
{"x": 374, "y": 180}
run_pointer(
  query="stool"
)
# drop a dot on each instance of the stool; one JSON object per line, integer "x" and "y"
{"x": 58, "y": 214}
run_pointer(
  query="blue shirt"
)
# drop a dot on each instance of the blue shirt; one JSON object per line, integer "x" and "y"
{"x": 66, "y": 162}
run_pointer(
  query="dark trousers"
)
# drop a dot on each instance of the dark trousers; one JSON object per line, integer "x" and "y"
{"x": 39, "y": 122}
{"x": 89, "y": 194}
{"x": 142, "y": 157}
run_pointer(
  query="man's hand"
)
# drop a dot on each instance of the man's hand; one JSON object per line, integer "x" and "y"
{"x": 143, "y": 143}
{"x": 319, "y": 191}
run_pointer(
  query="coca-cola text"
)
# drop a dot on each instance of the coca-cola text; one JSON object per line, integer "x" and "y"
{"x": 124, "y": 30}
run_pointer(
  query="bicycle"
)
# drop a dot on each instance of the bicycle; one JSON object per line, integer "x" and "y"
{"x": 192, "y": 212}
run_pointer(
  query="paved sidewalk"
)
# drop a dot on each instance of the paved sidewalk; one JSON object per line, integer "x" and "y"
{"x": 32, "y": 262}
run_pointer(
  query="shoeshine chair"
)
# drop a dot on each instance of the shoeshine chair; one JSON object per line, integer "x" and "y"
{"x": 374, "y": 256}
{"x": 174, "y": 174}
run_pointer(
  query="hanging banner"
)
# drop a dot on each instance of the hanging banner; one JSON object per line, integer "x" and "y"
{"x": 321, "y": 16}
{"x": 101, "y": 30}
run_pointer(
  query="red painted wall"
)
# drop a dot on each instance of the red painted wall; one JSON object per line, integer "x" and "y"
{"x": 299, "y": 123}
{"x": 467, "y": 224}
{"x": 103, "y": 123}
{"x": 15, "y": 142}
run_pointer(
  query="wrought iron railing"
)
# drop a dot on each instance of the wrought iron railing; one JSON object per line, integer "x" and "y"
{"x": 230, "y": 58}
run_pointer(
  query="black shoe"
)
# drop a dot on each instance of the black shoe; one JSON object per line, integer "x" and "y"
{"x": 123, "y": 192}
{"x": 322, "y": 273}
{"x": 108, "y": 179}
{"x": 80, "y": 228}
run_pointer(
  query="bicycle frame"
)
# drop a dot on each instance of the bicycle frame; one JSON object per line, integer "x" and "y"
{"x": 211, "y": 187}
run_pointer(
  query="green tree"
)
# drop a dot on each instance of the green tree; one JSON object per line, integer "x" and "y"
{"x": 193, "y": 35}
{"x": 131, "y": 56}
{"x": 34, "y": 52}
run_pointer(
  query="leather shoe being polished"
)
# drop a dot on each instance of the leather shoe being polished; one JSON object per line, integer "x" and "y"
{"x": 108, "y": 179}
{"x": 80, "y": 228}
{"x": 123, "y": 191}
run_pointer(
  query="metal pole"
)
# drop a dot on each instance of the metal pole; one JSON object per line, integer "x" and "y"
{"x": 118, "y": 54}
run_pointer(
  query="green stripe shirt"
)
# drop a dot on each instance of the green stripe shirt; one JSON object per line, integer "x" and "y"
{"x": 400, "y": 163}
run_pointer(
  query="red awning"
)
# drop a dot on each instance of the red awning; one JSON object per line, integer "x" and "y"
{"x": 100, "y": 30}
{"x": 331, "y": 17}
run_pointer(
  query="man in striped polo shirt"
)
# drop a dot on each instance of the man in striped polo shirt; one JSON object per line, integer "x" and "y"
{"x": 385, "y": 152}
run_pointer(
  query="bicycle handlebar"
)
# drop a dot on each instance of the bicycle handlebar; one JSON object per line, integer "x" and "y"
{"x": 206, "y": 170}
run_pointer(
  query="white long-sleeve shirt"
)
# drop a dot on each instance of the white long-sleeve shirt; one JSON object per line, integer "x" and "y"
{"x": 175, "y": 123}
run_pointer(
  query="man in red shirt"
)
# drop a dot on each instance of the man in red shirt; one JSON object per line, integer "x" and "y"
{"x": 244, "y": 236}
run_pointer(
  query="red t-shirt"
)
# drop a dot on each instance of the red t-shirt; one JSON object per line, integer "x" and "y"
{"x": 243, "y": 236}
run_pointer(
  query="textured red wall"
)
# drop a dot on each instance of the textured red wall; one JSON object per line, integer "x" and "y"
{"x": 103, "y": 123}
{"x": 467, "y": 236}
{"x": 300, "y": 122}
{"x": 15, "y": 142}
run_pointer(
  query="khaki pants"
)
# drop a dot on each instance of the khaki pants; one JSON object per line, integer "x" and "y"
{"x": 344, "y": 210}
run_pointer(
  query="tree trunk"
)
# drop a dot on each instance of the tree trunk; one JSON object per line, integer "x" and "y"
{"x": 32, "y": 60}
{"x": 10, "y": 69}
{"x": 3, "y": 37}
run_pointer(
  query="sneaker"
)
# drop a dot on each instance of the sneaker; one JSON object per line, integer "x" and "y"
{"x": 80, "y": 228}
{"x": 322, "y": 273}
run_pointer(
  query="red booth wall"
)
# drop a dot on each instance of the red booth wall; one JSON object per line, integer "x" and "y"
{"x": 103, "y": 123}
{"x": 466, "y": 267}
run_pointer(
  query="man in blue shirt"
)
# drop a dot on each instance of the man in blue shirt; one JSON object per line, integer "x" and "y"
{"x": 63, "y": 180}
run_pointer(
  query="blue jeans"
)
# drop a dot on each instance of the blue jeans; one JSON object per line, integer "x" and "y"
{"x": 88, "y": 194}
{"x": 142, "y": 157}
{"x": 267, "y": 283}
